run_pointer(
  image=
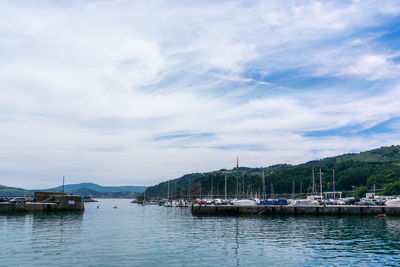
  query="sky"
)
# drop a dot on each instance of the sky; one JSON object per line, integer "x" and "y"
{"x": 139, "y": 92}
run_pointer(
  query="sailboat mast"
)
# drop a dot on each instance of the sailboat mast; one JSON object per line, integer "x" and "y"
{"x": 237, "y": 187}
{"x": 301, "y": 189}
{"x": 333, "y": 184}
{"x": 212, "y": 183}
{"x": 263, "y": 181}
{"x": 293, "y": 190}
{"x": 320, "y": 181}
{"x": 314, "y": 188}
{"x": 243, "y": 187}
{"x": 225, "y": 187}
{"x": 272, "y": 191}
{"x": 168, "y": 192}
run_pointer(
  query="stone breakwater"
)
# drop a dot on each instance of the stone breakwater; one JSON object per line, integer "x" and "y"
{"x": 296, "y": 210}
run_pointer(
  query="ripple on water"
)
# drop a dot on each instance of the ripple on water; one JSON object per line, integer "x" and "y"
{"x": 135, "y": 235}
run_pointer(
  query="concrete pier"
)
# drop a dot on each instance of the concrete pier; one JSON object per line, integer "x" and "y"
{"x": 296, "y": 210}
{"x": 46, "y": 201}
{"x": 27, "y": 207}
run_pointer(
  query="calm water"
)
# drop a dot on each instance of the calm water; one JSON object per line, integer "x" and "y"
{"x": 135, "y": 235}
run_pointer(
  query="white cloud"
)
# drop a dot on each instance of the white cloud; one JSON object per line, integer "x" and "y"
{"x": 85, "y": 88}
{"x": 374, "y": 67}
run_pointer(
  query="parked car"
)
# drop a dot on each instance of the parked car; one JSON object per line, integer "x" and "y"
{"x": 349, "y": 201}
{"x": 379, "y": 202}
{"x": 3, "y": 199}
{"x": 366, "y": 203}
{"x": 17, "y": 200}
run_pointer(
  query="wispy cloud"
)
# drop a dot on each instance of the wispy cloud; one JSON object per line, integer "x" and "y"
{"x": 185, "y": 136}
{"x": 136, "y": 92}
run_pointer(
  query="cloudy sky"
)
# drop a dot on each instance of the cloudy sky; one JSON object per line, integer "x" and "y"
{"x": 137, "y": 92}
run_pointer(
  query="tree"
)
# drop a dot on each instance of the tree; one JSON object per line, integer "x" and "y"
{"x": 361, "y": 191}
{"x": 392, "y": 189}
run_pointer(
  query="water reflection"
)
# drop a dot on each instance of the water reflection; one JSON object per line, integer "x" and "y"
{"x": 304, "y": 239}
{"x": 52, "y": 232}
{"x": 158, "y": 236}
{"x": 237, "y": 242}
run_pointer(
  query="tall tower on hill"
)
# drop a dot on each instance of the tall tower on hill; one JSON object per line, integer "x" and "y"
{"x": 237, "y": 163}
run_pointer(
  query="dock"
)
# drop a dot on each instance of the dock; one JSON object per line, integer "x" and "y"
{"x": 46, "y": 201}
{"x": 295, "y": 210}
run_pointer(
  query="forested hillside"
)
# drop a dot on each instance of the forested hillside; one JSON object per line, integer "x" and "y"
{"x": 359, "y": 172}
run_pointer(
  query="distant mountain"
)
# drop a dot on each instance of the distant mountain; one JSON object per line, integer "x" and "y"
{"x": 83, "y": 189}
{"x": 95, "y": 190}
{"x": 14, "y": 192}
{"x": 101, "y": 189}
{"x": 378, "y": 168}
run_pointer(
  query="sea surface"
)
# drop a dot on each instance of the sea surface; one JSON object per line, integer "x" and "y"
{"x": 136, "y": 235}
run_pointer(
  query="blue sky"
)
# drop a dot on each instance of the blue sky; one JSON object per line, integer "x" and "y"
{"x": 137, "y": 92}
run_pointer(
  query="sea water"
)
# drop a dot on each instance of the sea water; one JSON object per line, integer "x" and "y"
{"x": 137, "y": 235}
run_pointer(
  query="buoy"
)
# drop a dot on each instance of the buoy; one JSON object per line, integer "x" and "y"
{"x": 98, "y": 207}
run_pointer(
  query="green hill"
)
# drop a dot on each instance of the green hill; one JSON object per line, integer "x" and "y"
{"x": 14, "y": 192}
{"x": 101, "y": 189}
{"x": 96, "y": 194}
{"x": 361, "y": 171}
{"x": 389, "y": 154}
{"x": 83, "y": 189}
{"x": 95, "y": 190}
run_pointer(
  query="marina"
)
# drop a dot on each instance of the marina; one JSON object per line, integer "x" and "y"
{"x": 200, "y": 133}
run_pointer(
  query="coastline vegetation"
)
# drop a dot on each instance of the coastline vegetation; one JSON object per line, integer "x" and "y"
{"x": 355, "y": 174}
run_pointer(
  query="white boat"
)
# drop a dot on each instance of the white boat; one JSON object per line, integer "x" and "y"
{"x": 208, "y": 201}
{"x": 245, "y": 202}
{"x": 218, "y": 201}
{"x": 309, "y": 201}
{"x": 393, "y": 203}
{"x": 168, "y": 204}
